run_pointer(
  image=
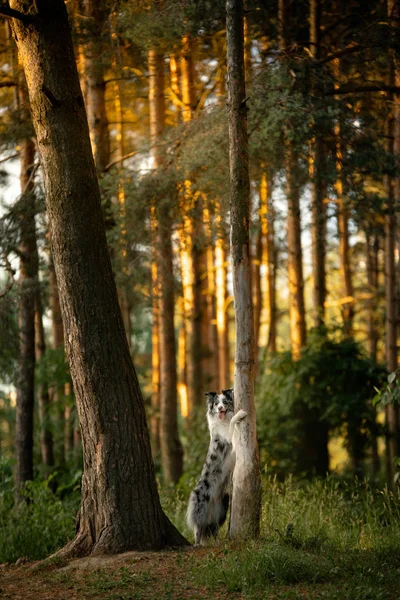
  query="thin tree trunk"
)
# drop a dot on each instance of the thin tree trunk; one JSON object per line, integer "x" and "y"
{"x": 170, "y": 445}
{"x": 268, "y": 260}
{"x": 190, "y": 248}
{"x": 295, "y": 255}
{"x": 26, "y": 311}
{"x": 57, "y": 394}
{"x": 343, "y": 228}
{"x": 318, "y": 211}
{"x": 221, "y": 307}
{"x": 96, "y": 18}
{"x": 246, "y": 497}
{"x": 372, "y": 249}
{"x": 211, "y": 308}
{"x": 120, "y": 507}
{"x": 46, "y": 435}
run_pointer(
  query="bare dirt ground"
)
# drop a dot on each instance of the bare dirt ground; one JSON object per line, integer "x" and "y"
{"x": 129, "y": 576}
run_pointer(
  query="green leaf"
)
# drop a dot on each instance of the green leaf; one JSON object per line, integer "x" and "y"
{"x": 392, "y": 377}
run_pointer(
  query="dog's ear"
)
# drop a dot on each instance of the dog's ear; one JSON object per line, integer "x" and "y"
{"x": 210, "y": 396}
{"x": 228, "y": 393}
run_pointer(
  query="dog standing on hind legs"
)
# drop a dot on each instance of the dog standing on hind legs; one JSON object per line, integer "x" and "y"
{"x": 209, "y": 501}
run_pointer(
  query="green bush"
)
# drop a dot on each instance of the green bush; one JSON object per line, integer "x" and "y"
{"x": 38, "y": 525}
{"x": 333, "y": 381}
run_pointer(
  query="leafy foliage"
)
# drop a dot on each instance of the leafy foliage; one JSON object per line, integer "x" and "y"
{"x": 331, "y": 377}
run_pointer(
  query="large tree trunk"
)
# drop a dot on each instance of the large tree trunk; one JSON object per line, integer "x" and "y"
{"x": 120, "y": 507}
{"x": 170, "y": 445}
{"x": 26, "y": 311}
{"x": 246, "y": 497}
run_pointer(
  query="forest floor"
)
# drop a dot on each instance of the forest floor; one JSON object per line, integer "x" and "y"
{"x": 182, "y": 575}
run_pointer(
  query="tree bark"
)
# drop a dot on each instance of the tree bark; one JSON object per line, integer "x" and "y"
{"x": 221, "y": 306}
{"x": 170, "y": 445}
{"x": 246, "y": 497}
{"x": 26, "y": 311}
{"x": 120, "y": 507}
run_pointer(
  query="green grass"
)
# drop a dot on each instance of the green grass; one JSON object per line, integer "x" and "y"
{"x": 325, "y": 539}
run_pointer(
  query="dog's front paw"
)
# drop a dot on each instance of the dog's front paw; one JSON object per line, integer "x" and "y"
{"x": 240, "y": 415}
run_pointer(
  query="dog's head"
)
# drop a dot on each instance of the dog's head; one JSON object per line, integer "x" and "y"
{"x": 220, "y": 406}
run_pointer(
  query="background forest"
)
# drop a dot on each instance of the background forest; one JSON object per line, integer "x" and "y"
{"x": 323, "y": 85}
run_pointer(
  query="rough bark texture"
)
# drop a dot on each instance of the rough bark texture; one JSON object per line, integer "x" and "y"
{"x": 245, "y": 511}
{"x": 26, "y": 311}
{"x": 170, "y": 445}
{"x": 120, "y": 507}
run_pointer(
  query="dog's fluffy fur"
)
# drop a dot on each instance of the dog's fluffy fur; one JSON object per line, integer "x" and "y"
{"x": 209, "y": 501}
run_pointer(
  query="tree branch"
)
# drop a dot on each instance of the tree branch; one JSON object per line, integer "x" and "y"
{"x": 7, "y": 83}
{"x": 11, "y": 274}
{"x": 10, "y": 13}
{"x": 354, "y": 89}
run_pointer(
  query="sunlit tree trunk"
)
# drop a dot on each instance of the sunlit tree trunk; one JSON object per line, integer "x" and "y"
{"x": 120, "y": 508}
{"x": 211, "y": 308}
{"x": 190, "y": 248}
{"x": 246, "y": 496}
{"x": 171, "y": 448}
{"x": 343, "y": 216}
{"x": 318, "y": 211}
{"x": 295, "y": 254}
{"x": 221, "y": 294}
{"x": 95, "y": 21}
{"x": 28, "y": 282}
{"x": 268, "y": 260}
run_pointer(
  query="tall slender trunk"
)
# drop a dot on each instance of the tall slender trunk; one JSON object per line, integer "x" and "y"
{"x": 295, "y": 254}
{"x": 318, "y": 211}
{"x": 246, "y": 496}
{"x": 96, "y": 19}
{"x": 57, "y": 394}
{"x": 120, "y": 507}
{"x": 372, "y": 249}
{"x": 211, "y": 308}
{"x": 221, "y": 306}
{"x": 26, "y": 311}
{"x": 46, "y": 435}
{"x": 268, "y": 260}
{"x": 170, "y": 445}
{"x": 343, "y": 216}
{"x": 190, "y": 248}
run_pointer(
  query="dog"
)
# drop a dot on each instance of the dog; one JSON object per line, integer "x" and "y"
{"x": 209, "y": 501}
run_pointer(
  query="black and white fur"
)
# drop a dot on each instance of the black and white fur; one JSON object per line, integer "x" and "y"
{"x": 209, "y": 501}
